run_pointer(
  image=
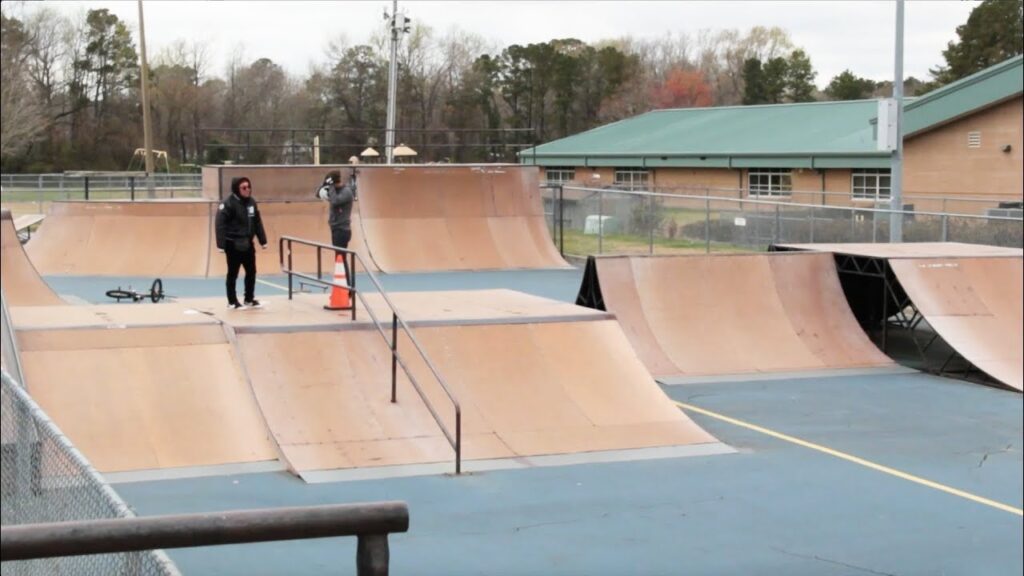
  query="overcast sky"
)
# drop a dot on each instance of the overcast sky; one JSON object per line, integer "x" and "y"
{"x": 856, "y": 35}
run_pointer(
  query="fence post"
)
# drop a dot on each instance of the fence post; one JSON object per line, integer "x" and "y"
{"x": 778, "y": 224}
{"x": 651, "y": 223}
{"x": 707, "y": 224}
{"x": 131, "y": 182}
{"x": 561, "y": 221}
{"x": 812, "y": 224}
{"x": 86, "y": 187}
{"x": 600, "y": 221}
{"x": 945, "y": 229}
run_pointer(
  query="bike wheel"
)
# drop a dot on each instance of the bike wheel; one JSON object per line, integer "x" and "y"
{"x": 120, "y": 295}
{"x": 156, "y": 291}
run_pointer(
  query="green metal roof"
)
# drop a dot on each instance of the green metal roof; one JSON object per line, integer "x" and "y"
{"x": 809, "y": 135}
{"x": 817, "y": 127}
{"x": 975, "y": 92}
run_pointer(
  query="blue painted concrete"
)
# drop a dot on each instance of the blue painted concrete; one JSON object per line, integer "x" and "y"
{"x": 560, "y": 285}
{"x": 774, "y": 508}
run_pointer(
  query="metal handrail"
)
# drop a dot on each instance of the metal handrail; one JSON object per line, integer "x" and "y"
{"x": 789, "y": 204}
{"x": 396, "y": 321}
{"x": 371, "y": 523}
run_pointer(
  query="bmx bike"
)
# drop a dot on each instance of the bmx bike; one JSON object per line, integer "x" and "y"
{"x": 155, "y": 294}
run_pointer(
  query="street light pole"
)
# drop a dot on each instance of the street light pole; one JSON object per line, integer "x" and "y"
{"x": 389, "y": 136}
{"x": 147, "y": 133}
{"x": 896, "y": 171}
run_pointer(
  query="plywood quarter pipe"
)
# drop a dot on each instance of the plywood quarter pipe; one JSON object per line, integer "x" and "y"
{"x": 171, "y": 238}
{"x": 732, "y": 314}
{"x": 525, "y": 389}
{"x": 975, "y": 305}
{"x": 424, "y": 218}
{"x": 124, "y": 239}
{"x": 146, "y": 398}
{"x": 21, "y": 282}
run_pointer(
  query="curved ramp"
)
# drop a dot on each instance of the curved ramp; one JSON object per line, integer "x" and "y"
{"x": 171, "y": 238}
{"x": 145, "y": 398}
{"x": 525, "y": 389}
{"x": 123, "y": 239}
{"x": 428, "y": 218}
{"x": 21, "y": 282}
{"x": 731, "y": 314}
{"x": 975, "y": 305}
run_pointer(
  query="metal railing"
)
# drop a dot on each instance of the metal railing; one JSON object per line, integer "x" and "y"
{"x": 285, "y": 250}
{"x": 599, "y": 220}
{"x": 44, "y": 478}
{"x": 370, "y": 522}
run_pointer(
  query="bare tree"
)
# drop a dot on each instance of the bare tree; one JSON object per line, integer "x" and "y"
{"x": 22, "y": 119}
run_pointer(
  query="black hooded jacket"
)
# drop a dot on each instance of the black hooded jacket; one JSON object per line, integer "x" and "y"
{"x": 238, "y": 220}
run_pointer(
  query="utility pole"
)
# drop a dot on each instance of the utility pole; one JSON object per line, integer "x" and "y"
{"x": 896, "y": 170}
{"x": 147, "y": 133}
{"x": 399, "y": 24}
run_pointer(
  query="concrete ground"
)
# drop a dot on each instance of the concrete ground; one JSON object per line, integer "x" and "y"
{"x": 878, "y": 473}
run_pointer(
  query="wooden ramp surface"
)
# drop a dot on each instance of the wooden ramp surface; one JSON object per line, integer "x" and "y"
{"x": 21, "y": 282}
{"x": 525, "y": 389}
{"x": 172, "y": 238}
{"x": 732, "y": 314}
{"x": 471, "y": 217}
{"x": 908, "y": 249}
{"x": 141, "y": 398}
{"x": 975, "y": 305}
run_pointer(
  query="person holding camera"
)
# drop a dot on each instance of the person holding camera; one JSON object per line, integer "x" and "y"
{"x": 340, "y": 194}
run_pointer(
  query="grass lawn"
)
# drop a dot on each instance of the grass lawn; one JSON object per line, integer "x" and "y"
{"x": 579, "y": 244}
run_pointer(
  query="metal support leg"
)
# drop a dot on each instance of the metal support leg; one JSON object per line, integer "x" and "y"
{"x": 372, "y": 555}
{"x": 394, "y": 358}
{"x": 885, "y": 307}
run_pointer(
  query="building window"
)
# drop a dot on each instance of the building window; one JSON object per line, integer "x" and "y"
{"x": 559, "y": 174}
{"x": 871, "y": 184}
{"x": 770, "y": 181}
{"x": 631, "y": 178}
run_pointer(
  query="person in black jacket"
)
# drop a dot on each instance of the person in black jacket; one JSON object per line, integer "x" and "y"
{"x": 238, "y": 220}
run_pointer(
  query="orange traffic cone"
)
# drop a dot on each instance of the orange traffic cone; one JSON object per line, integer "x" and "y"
{"x": 341, "y": 299}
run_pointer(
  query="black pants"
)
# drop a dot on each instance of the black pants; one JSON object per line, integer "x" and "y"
{"x": 241, "y": 259}
{"x": 341, "y": 238}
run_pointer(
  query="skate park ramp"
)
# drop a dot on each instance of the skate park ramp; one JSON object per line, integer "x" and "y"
{"x": 975, "y": 305}
{"x": 21, "y": 282}
{"x": 171, "y": 238}
{"x": 716, "y": 315}
{"x": 471, "y": 217}
{"x": 146, "y": 396}
{"x": 528, "y": 389}
{"x": 906, "y": 249}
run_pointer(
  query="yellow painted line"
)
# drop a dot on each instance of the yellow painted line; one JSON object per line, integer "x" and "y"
{"x": 854, "y": 459}
{"x": 271, "y": 284}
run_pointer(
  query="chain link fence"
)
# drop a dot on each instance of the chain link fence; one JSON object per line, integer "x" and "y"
{"x": 603, "y": 221}
{"x": 43, "y": 478}
{"x": 41, "y": 188}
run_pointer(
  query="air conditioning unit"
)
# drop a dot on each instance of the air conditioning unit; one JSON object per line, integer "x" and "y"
{"x": 1005, "y": 212}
